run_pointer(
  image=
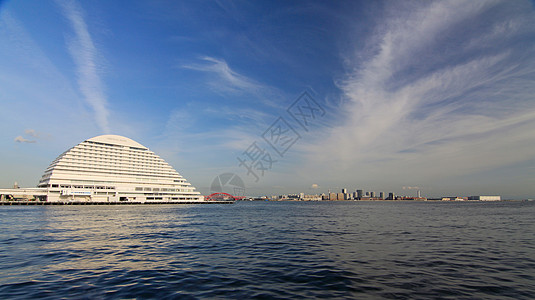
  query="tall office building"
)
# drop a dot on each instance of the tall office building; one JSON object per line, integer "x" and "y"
{"x": 372, "y": 194}
{"x": 381, "y": 195}
{"x": 114, "y": 168}
{"x": 360, "y": 194}
{"x": 344, "y": 191}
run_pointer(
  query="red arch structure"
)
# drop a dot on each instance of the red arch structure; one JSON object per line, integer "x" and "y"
{"x": 222, "y": 197}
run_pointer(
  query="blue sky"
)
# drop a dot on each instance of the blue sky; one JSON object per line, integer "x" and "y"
{"x": 437, "y": 96}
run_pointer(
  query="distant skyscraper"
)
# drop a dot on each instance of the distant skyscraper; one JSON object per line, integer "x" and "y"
{"x": 391, "y": 196}
{"x": 418, "y": 194}
{"x": 381, "y": 195}
{"x": 372, "y": 194}
{"x": 367, "y": 194}
{"x": 360, "y": 194}
{"x": 344, "y": 191}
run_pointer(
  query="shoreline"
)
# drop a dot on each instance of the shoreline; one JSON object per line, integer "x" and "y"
{"x": 39, "y": 203}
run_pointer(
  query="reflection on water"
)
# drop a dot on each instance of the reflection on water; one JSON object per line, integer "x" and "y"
{"x": 110, "y": 238}
{"x": 273, "y": 250}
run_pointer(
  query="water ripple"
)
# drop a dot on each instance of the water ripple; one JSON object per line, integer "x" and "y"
{"x": 270, "y": 250}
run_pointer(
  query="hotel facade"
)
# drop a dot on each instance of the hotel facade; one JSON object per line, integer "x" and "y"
{"x": 112, "y": 168}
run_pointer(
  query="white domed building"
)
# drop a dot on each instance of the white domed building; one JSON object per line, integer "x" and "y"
{"x": 110, "y": 168}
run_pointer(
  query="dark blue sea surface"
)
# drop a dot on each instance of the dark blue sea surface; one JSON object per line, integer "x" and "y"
{"x": 335, "y": 250}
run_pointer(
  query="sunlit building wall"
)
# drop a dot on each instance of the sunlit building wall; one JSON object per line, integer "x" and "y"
{"x": 114, "y": 168}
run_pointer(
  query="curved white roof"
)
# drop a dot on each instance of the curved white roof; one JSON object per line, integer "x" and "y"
{"x": 116, "y": 140}
{"x": 114, "y": 167}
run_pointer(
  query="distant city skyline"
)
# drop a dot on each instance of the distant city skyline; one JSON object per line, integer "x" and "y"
{"x": 360, "y": 194}
{"x": 436, "y": 96}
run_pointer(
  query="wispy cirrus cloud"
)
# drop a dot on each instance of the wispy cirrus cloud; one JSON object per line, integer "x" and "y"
{"x": 242, "y": 123}
{"x": 443, "y": 88}
{"x": 85, "y": 55}
{"x": 230, "y": 79}
{"x": 226, "y": 80}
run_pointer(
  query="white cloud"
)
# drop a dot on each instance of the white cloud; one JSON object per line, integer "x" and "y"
{"x": 231, "y": 79}
{"x": 429, "y": 103}
{"x": 20, "y": 139}
{"x": 180, "y": 134}
{"x": 84, "y": 54}
{"x": 228, "y": 81}
{"x": 32, "y": 133}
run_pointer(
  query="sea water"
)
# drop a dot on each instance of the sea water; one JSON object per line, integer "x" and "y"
{"x": 270, "y": 250}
